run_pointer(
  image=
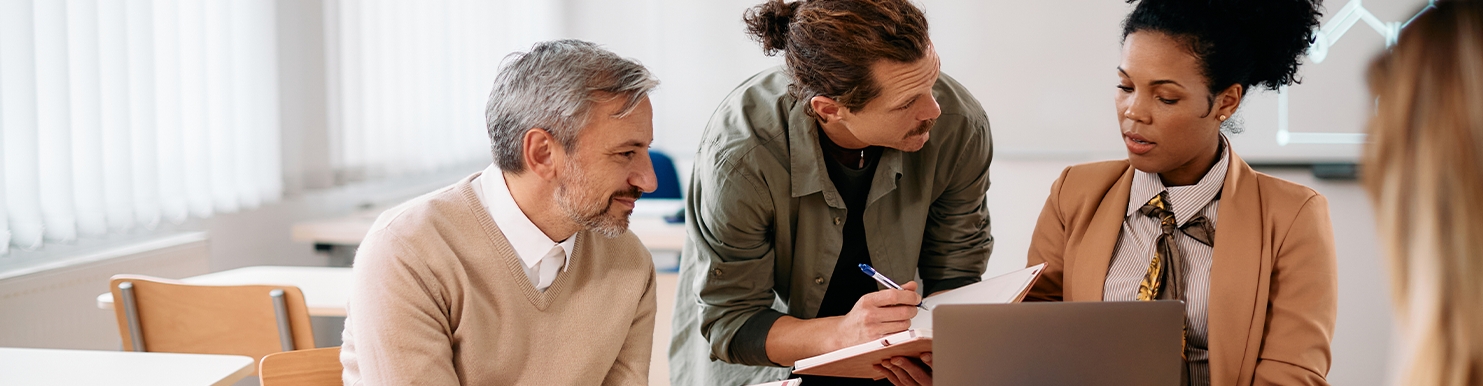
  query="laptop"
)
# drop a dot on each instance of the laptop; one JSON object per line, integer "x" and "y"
{"x": 1072, "y": 343}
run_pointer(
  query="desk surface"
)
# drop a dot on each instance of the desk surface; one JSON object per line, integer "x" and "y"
{"x": 326, "y": 289}
{"x": 646, "y": 223}
{"x": 27, "y": 366}
{"x": 348, "y": 230}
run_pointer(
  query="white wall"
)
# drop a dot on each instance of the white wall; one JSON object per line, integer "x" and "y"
{"x": 58, "y": 308}
{"x": 1044, "y": 70}
{"x": 698, "y": 49}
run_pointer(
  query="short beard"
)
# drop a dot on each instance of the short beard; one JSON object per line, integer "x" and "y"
{"x": 588, "y": 210}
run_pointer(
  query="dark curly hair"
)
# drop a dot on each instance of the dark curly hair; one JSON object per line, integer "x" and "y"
{"x": 1245, "y": 42}
{"x": 829, "y": 45}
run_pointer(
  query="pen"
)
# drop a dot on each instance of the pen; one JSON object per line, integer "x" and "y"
{"x": 885, "y": 281}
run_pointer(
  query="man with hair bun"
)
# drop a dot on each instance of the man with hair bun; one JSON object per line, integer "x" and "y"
{"x": 857, "y": 151}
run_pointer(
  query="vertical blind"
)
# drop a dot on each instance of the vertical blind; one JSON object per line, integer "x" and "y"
{"x": 118, "y": 114}
{"x": 409, "y": 79}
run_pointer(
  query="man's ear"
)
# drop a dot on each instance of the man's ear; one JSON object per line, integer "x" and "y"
{"x": 826, "y": 108}
{"x": 1228, "y": 101}
{"x": 541, "y": 152}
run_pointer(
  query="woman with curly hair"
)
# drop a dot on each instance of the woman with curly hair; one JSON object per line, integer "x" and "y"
{"x": 1424, "y": 170}
{"x": 1183, "y": 217}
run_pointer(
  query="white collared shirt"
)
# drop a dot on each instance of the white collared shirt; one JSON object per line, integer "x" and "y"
{"x": 529, "y": 242}
{"x": 1136, "y": 244}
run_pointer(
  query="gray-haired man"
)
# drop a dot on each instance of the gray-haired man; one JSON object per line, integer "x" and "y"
{"x": 525, "y": 273}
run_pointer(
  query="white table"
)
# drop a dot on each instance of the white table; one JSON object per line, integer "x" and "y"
{"x": 27, "y": 366}
{"x": 347, "y": 230}
{"x": 646, "y": 223}
{"x": 658, "y": 235}
{"x": 326, "y": 289}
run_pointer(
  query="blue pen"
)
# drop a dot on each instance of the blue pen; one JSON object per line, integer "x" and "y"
{"x": 885, "y": 281}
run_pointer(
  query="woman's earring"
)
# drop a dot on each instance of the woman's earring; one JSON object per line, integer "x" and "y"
{"x": 1222, "y": 117}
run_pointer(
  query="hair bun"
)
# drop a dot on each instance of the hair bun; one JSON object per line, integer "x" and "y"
{"x": 1279, "y": 33}
{"x": 767, "y": 23}
{"x": 1247, "y": 42}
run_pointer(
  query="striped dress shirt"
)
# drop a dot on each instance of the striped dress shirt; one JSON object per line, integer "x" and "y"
{"x": 1135, "y": 250}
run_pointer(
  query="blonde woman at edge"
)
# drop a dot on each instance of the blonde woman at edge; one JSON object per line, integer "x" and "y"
{"x": 1424, "y": 170}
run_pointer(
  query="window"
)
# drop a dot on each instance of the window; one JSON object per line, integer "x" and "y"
{"x": 116, "y": 115}
{"x": 408, "y": 81}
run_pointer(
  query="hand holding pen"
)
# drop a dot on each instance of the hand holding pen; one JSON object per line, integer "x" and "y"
{"x": 899, "y": 367}
{"x": 876, "y": 315}
{"x": 885, "y": 281}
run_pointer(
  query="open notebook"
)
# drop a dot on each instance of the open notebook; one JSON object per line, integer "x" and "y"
{"x": 857, "y": 361}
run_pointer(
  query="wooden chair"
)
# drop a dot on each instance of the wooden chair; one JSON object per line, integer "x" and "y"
{"x": 161, "y": 315}
{"x": 317, "y": 367}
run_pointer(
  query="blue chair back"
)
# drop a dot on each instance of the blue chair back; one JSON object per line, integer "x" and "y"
{"x": 666, "y": 175}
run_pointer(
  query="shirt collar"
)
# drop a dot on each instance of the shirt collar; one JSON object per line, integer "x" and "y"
{"x": 1187, "y": 201}
{"x": 528, "y": 241}
{"x": 809, "y": 175}
{"x": 807, "y": 161}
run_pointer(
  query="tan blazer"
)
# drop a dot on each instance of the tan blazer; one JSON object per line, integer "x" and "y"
{"x": 1273, "y": 281}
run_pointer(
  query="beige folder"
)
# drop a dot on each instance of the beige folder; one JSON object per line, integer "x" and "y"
{"x": 858, "y": 361}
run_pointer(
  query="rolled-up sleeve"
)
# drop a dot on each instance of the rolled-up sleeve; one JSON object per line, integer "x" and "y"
{"x": 956, "y": 243}
{"x": 731, "y": 218}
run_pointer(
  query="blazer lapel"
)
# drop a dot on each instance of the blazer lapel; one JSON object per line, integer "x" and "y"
{"x": 1094, "y": 253}
{"x": 1236, "y": 274}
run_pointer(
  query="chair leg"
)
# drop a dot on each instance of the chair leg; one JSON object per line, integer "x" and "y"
{"x": 280, "y": 310}
{"x": 131, "y": 313}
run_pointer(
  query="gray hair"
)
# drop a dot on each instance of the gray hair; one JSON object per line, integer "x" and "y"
{"x": 553, "y": 87}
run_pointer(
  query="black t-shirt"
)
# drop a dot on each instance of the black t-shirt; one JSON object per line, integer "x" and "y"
{"x": 847, "y": 284}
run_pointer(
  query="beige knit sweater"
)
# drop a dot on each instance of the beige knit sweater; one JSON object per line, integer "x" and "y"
{"x": 440, "y": 298}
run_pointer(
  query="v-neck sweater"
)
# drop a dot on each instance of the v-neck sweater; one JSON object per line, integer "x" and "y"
{"x": 441, "y": 298}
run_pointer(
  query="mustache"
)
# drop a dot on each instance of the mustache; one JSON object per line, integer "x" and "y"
{"x": 923, "y": 128}
{"x": 632, "y": 192}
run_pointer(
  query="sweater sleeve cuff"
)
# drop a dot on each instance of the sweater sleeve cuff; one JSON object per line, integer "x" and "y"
{"x": 749, "y": 344}
{"x": 935, "y": 286}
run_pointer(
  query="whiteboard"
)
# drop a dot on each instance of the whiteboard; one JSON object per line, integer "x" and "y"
{"x": 1045, "y": 71}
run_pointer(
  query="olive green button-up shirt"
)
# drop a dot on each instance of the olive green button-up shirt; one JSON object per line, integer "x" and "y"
{"x": 765, "y": 224}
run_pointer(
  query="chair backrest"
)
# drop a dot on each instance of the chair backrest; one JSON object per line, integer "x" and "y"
{"x": 316, "y": 367}
{"x": 667, "y": 178}
{"x": 170, "y": 316}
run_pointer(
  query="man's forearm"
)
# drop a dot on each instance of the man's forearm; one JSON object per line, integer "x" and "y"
{"x": 875, "y": 315}
{"x": 791, "y": 339}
